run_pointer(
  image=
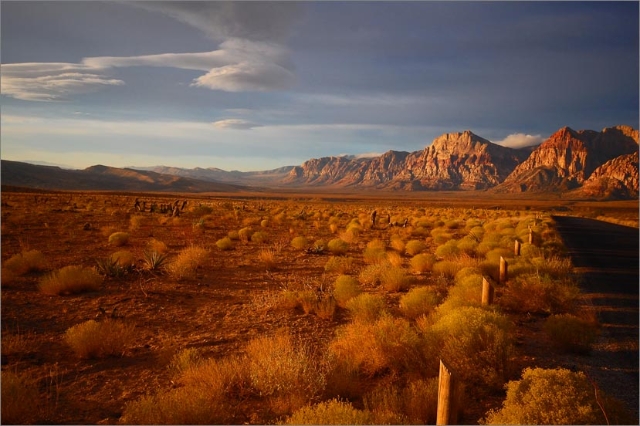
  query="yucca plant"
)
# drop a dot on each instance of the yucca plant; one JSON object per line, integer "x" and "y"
{"x": 154, "y": 261}
{"x": 110, "y": 267}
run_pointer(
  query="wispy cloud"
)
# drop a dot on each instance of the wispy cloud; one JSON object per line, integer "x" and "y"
{"x": 235, "y": 123}
{"x": 51, "y": 81}
{"x": 520, "y": 140}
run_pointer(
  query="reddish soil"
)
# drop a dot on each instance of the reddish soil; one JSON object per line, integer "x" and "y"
{"x": 224, "y": 307}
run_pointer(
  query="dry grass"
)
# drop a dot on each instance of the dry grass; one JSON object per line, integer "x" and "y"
{"x": 70, "y": 279}
{"x": 366, "y": 307}
{"x": 333, "y": 412}
{"x": 394, "y": 279}
{"x": 345, "y": 288}
{"x": 340, "y": 264}
{"x": 188, "y": 262}
{"x": 268, "y": 258}
{"x": 92, "y": 339}
{"x": 25, "y": 262}
{"x": 20, "y": 398}
{"x": 423, "y": 262}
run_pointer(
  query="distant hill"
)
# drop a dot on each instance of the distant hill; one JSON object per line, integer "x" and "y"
{"x": 103, "y": 178}
{"x": 212, "y": 174}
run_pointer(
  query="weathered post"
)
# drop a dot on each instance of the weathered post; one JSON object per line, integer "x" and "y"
{"x": 487, "y": 291}
{"x": 532, "y": 236}
{"x": 516, "y": 248}
{"x": 503, "y": 270}
{"x": 447, "y": 397}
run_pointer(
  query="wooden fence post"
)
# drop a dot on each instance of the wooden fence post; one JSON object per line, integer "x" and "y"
{"x": 447, "y": 397}
{"x": 487, "y": 291}
{"x": 532, "y": 236}
{"x": 503, "y": 270}
{"x": 516, "y": 248}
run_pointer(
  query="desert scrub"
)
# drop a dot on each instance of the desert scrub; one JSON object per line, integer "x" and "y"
{"x": 475, "y": 342}
{"x": 157, "y": 246}
{"x": 418, "y": 301}
{"x": 233, "y": 235}
{"x": 394, "y": 258}
{"x": 19, "y": 398}
{"x": 333, "y": 412}
{"x": 423, "y": 262}
{"x": 448, "y": 250}
{"x": 299, "y": 243}
{"x": 124, "y": 258}
{"x": 25, "y": 262}
{"x": 285, "y": 371}
{"x": 338, "y": 246}
{"x": 119, "y": 239}
{"x": 416, "y": 403}
{"x": 414, "y": 247}
{"x": 185, "y": 360}
{"x": 245, "y": 234}
{"x": 571, "y": 333}
{"x": 388, "y": 344}
{"x": 345, "y": 288}
{"x": 397, "y": 244}
{"x": 370, "y": 275}
{"x": 374, "y": 255}
{"x": 93, "y": 339}
{"x": 555, "y": 397}
{"x": 70, "y": 279}
{"x": 340, "y": 264}
{"x": 448, "y": 268}
{"x": 393, "y": 278}
{"x": 188, "y": 261}
{"x": 268, "y": 258}
{"x": 366, "y": 307}
{"x": 540, "y": 294}
{"x": 259, "y": 237}
{"x": 224, "y": 243}
{"x": 154, "y": 261}
{"x": 467, "y": 291}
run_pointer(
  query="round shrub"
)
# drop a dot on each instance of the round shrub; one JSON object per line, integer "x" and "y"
{"x": 234, "y": 235}
{"x": 299, "y": 243}
{"x": 414, "y": 247}
{"x": 27, "y": 261}
{"x": 418, "y": 301}
{"x": 495, "y": 254}
{"x": 374, "y": 255}
{"x": 397, "y": 244}
{"x": 423, "y": 262}
{"x": 366, "y": 307}
{"x": 119, "y": 239}
{"x": 393, "y": 278}
{"x": 259, "y": 237}
{"x": 448, "y": 250}
{"x": 345, "y": 288}
{"x": 571, "y": 333}
{"x": 332, "y": 412}
{"x": 551, "y": 397}
{"x": 338, "y": 246}
{"x": 224, "y": 243}
{"x": 245, "y": 234}
{"x": 339, "y": 264}
{"x": 124, "y": 258}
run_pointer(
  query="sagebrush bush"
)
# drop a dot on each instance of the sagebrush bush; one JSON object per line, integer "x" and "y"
{"x": 394, "y": 258}
{"x": 224, "y": 243}
{"x": 397, "y": 244}
{"x": 70, "y": 279}
{"x": 25, "y": 262}
{"x": 333, "y": 412}
{"x": 299, "y": 243}
{"x": 414, "y": 247}
{"x": 418, "y": 301}
{"x": 475, "y": 343}
{"x": 416, "y": 403}
{"x": 540, "y": 294}
{"x": 233, "y": 235}
{"x": 340, "y": 264}
{"x": 20, "y": 398}
{"x": 366, "y": 307}
{"x": 119, "y": 239}
{"x": 571, "y": 333}
{"x": 93, "y": 339}
{"x": 184, "y": 360}
{"x": 374, "y": 255}
{"x": 188, "y": 261}
{"x": 448, "y": 250}
{"x": 393, "y": 278}
{"x": 157, "y": 246}
{"x": 345, "y": 288}
{"x": 448, "y": 268}
{"x": 372, "y": 274}
{"x": 244, "y": 234}
{"x": 259, "y": 237}
{"x": 372, "y": 347}
{"x": 124, "y": 258}
{"x": 284, "y": 370}
{"x": 337, "y": 246}
{"x": 423, "y": 262}
{"x": 554, "y": 397}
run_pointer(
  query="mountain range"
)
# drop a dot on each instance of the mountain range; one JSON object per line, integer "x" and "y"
{"x": 585, "y": 163}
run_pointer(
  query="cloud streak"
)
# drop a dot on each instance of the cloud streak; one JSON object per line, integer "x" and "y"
{"x": 520, "y": 140}
{"x": 235, "y": 124}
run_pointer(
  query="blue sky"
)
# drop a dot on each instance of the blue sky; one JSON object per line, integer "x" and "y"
{"x": 255, "y": 86}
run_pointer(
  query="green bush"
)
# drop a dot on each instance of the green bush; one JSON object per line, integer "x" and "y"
{"x": 416, "y": 403}
{"x": 414, "y": 247}
{"x": 299, "y": 243}
{"x": 418, "y": 301}
{"x": 69, "y": 280}
{"x": 448, "y": 250}
{"x": 475, "y": 343}
{"x": 423, "y": 262}
{"x": 553, "y": 397}
{"x": 119, "y": 239}
{"x": 540, "y": 294}
{"x": 332, "y": 412}
{"x": 345, "y": 288}
{"x": 571, "y": 333}
{"x": 338, "y": 246}
{"x": 339, "y": 264}
{"x": 366, "y": 307}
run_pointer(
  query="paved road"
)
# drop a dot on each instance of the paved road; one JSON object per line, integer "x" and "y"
{"x": 606, "y": 257}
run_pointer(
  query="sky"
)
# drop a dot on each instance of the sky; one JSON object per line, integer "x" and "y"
{"x": 260, "y": 85}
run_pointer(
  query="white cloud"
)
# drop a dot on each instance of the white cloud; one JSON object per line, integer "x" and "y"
{"x": 235, "y": 123}
{"x": 520, "y": 140}
{"x": 51, "y": 81}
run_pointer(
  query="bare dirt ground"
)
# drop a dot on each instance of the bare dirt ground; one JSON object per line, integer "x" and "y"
{"x": 219, "y": 311}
